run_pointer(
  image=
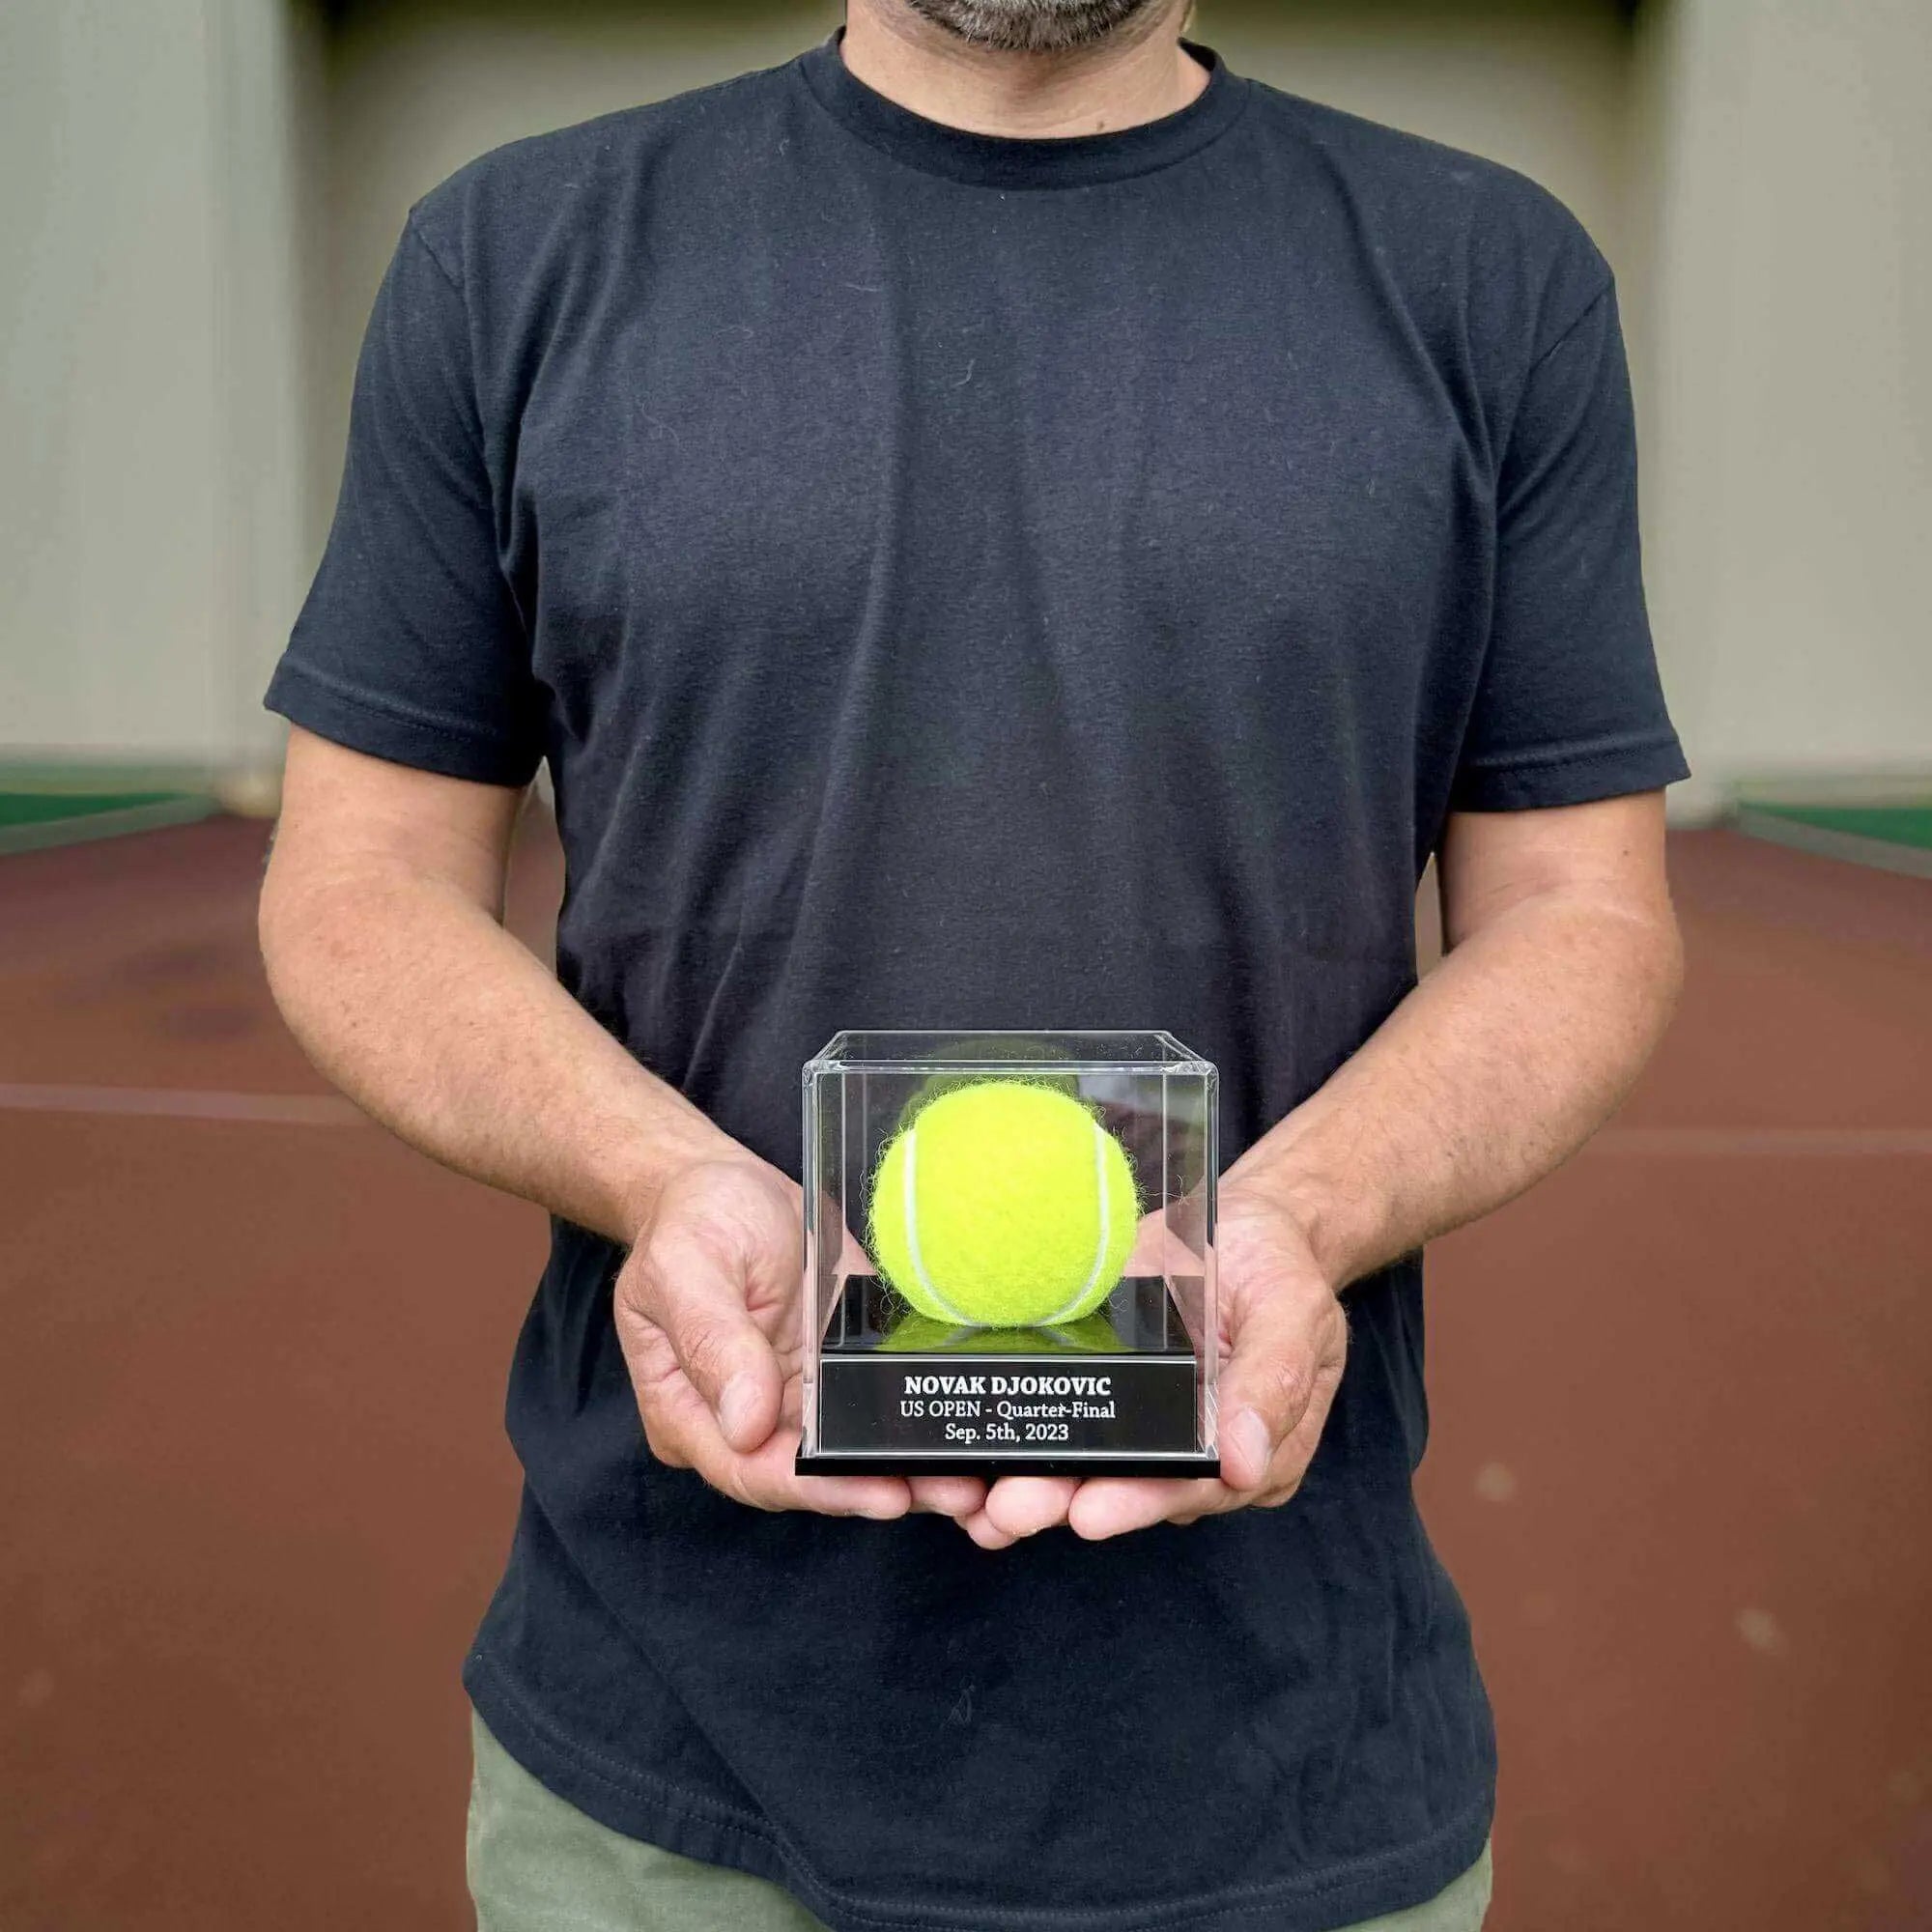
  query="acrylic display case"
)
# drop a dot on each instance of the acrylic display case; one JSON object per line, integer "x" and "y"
{"x": 1010, "y": 1254}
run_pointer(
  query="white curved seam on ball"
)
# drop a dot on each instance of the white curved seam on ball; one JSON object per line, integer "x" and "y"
{"x": 1065, "y": 1311}
{"x": 910, "y": 1201}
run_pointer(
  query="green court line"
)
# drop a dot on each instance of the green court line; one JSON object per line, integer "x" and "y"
{"x": 1894, "y": 837}
{"x": 43, "y": 808}
{"x": 1891, "y": 824}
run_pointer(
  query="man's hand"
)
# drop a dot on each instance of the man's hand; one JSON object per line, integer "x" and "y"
{"x": 379, "y": 927}
{"x": 707, "y": 1312}
{"x": 1562, "y": 968}
{"x": 1284, "y": 1339}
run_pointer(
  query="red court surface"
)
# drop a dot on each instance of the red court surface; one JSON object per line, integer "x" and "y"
{"x": 253, "y": 1488}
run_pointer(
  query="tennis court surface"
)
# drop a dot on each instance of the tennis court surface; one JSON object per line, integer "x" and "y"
{"x": 254, "y": 1491}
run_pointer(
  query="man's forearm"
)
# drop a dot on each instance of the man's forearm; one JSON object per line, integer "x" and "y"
{"x": 1492, "y": 1071}
{"x": 413, "y": 1001}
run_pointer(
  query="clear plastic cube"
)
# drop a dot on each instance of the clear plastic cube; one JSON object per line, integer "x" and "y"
{"x": 900, "y": 1377}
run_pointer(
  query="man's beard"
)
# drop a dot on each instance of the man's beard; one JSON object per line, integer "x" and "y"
{"x": 1033, "y": 26}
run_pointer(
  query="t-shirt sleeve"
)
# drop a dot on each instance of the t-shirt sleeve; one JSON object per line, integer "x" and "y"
{"x": 411, "y": 645}
{"x": 1569, "y": 707}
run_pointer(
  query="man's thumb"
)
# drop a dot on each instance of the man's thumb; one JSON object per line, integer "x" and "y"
{"x": 698, "y": 1300}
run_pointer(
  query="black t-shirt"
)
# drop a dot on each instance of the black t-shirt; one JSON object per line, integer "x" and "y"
{"x": 973, "y": 583}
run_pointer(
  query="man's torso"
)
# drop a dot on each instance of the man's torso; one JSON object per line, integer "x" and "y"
{"x": 982, "y": 584}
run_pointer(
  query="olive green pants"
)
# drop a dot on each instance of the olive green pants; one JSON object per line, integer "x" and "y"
{"x": 538, "y": 1864}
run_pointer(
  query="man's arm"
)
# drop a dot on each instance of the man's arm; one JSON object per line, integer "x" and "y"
{"x": 1562, "y": 969}
{"x": 381, "y": 930}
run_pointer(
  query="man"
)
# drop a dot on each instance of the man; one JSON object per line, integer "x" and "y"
{"x": 998, "y": 524}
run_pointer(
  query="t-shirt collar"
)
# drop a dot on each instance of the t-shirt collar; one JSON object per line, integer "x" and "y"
{"x": 998, "y": 160}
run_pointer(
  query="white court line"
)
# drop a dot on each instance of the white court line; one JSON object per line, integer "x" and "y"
{"x": 181, "y": 1103}
{"x": 1745, "y": 1142}
{"x": 327, "y": 1110}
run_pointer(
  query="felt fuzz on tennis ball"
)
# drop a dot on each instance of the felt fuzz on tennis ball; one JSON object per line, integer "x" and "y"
{"x": 989, "y": 1046}
{"x": 1004, "y": 1205}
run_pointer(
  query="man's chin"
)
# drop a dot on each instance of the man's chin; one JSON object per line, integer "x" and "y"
{"x": 1036, "y": 26}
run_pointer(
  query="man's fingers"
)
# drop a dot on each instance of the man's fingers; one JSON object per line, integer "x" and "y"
{"x": 768, "y": 1480}
{"x": 1025, "y": 1505}
{"x": 881, "y": 1498}
{"x": 1018, "y": 1506}
{"x": 696, "y": 1300}
{"x": 1247, "y": 1447}
{"x": 687, "y": 1435}
{"x": 1264, "y": 1392}
{"x": 986, "y": 1533}
{"x": 1114, "y": 1505}
{"x": 1286, "y": 1360}
{"x": 949, "y": 1496}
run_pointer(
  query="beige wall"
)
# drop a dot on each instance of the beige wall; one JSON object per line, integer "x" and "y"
{"x": 1789, "y": 411}
{"x": 1541, "y": 86}
{"x": 149, "y": 541}
{"x": 200, "y": 196}
{"x": 107, "y": 252}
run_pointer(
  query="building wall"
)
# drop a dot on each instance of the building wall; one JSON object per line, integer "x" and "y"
{"x": 1789, "y": 409}
{"x": 150, "y": 490}
{"x": 1541, "y": 85}
{"x": 202, "y": 194}
{"x": 107, "y": 543}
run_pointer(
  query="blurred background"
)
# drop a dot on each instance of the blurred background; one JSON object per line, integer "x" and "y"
{"x": 1682, "y": 1453}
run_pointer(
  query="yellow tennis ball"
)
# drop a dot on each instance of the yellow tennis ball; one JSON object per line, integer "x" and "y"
{"x": 1004, "y": 1205}
{"x": 991, "y": 1046}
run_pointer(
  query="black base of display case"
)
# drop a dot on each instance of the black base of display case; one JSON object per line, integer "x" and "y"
{"x": 990, "y": 1467}
{"x": 1118, "y": 1394}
